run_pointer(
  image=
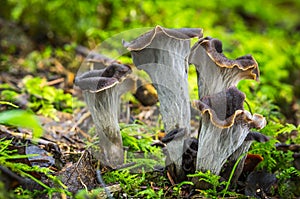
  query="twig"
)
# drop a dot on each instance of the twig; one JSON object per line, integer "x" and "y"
{"x": 68, "y": 139}
{"x": 77, "y": 163}
{"x": 30, "y": 138}
{"x": 12, "y": 174}
{"x": 81, "y": 119}
{"x": 170, "y": 178}
{"x": 83, "y": 183}
{"x": 168, "y": 190}
{"x": 56, "y": 81}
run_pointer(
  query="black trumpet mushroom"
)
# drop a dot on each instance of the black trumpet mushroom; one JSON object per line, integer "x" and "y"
{"x": 102, "y": 89}
{"x": 163, "y": 53}
{"x": 225, "y": 125}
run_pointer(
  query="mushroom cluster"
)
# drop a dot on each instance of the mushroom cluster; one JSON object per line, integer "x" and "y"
{"x": 224, "y": 132}
{"x": 165, "y": 54}
{"x": 225, "y": 127}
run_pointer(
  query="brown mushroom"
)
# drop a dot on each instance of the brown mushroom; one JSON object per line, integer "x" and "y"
{"x": 162, "y": 53}
{"x": 102, "y": 90}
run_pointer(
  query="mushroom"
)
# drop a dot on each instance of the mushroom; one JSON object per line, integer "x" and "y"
{"x": 215, "y": 71}
{"x": 241, "y": 151}
{"x": 223, "y": 130}
{"x": 102, "y": 89}
{"x": 162, "y": 53}
{"x": 189, "y": 156}
{"x": 224, "y": 124}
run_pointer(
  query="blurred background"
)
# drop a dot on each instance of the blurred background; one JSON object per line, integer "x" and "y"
{"x": 33, "y": 33}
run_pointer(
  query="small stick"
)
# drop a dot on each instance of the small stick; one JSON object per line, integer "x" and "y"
{"x": 78, "y": 162}
{"x": 56, "y": 81}
{"x": 81, "y": 119}
{"x": 170, "y": 178}
{"x": 83, "y": 183}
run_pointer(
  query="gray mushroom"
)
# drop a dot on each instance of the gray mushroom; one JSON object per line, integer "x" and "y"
{"x": 162, "y": 53}
{"x": 242, "y": 150}
{"x": 222, "y": 133}
{"x": 102, "y": 90}
{"x": 224, "y": 124}
{"x": 215, "y": 71}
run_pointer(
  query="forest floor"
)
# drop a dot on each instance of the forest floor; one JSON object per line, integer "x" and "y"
{"x": 65, "y": 146}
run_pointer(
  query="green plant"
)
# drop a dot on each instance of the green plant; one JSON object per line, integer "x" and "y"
{"x": 138, "y": 138}
{"x": 95, "y": 193}
{"x": 177, "y": 188}
{"x": 286, "y": 187}
{"x": 43, "y": 99}
{"x": 21, "y": 193}
{"x": 37, "y": 58}
{"x": 8, "y": 95}
{"x": 24, "y": 170}
{"x": 274, "y": 160}
{"x": 21, "y": 118}
{"x": 130, "y": 183}
{"x": 278, "y": 161}
{"x": 150, "y": 193}
{"x": 46, "y": 100}
{"x": 215, "y": 183}
{"x": 50, "y": 57}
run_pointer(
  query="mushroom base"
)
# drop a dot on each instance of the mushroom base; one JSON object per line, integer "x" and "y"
{"x": 105, "y": 116}
{"x": 241, "y": 151}
{"x": 217, "y": 144}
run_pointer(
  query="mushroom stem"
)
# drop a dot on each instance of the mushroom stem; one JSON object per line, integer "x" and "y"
{"x": 105, "y": 117}
{"x": 217, "y": 145}
{"x": 241, "y": 151}
{"x": 162, "y": 54}
{"x": 102, "y": 90}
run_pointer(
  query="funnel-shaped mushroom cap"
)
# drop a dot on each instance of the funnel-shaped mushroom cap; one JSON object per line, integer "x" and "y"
{"x": 162, "y": 53}
{"x": 147, "y": 39}
{"x": 215, "y": 71}
{"x": 226, "y": 107}
{"x": 97, "y": 80}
